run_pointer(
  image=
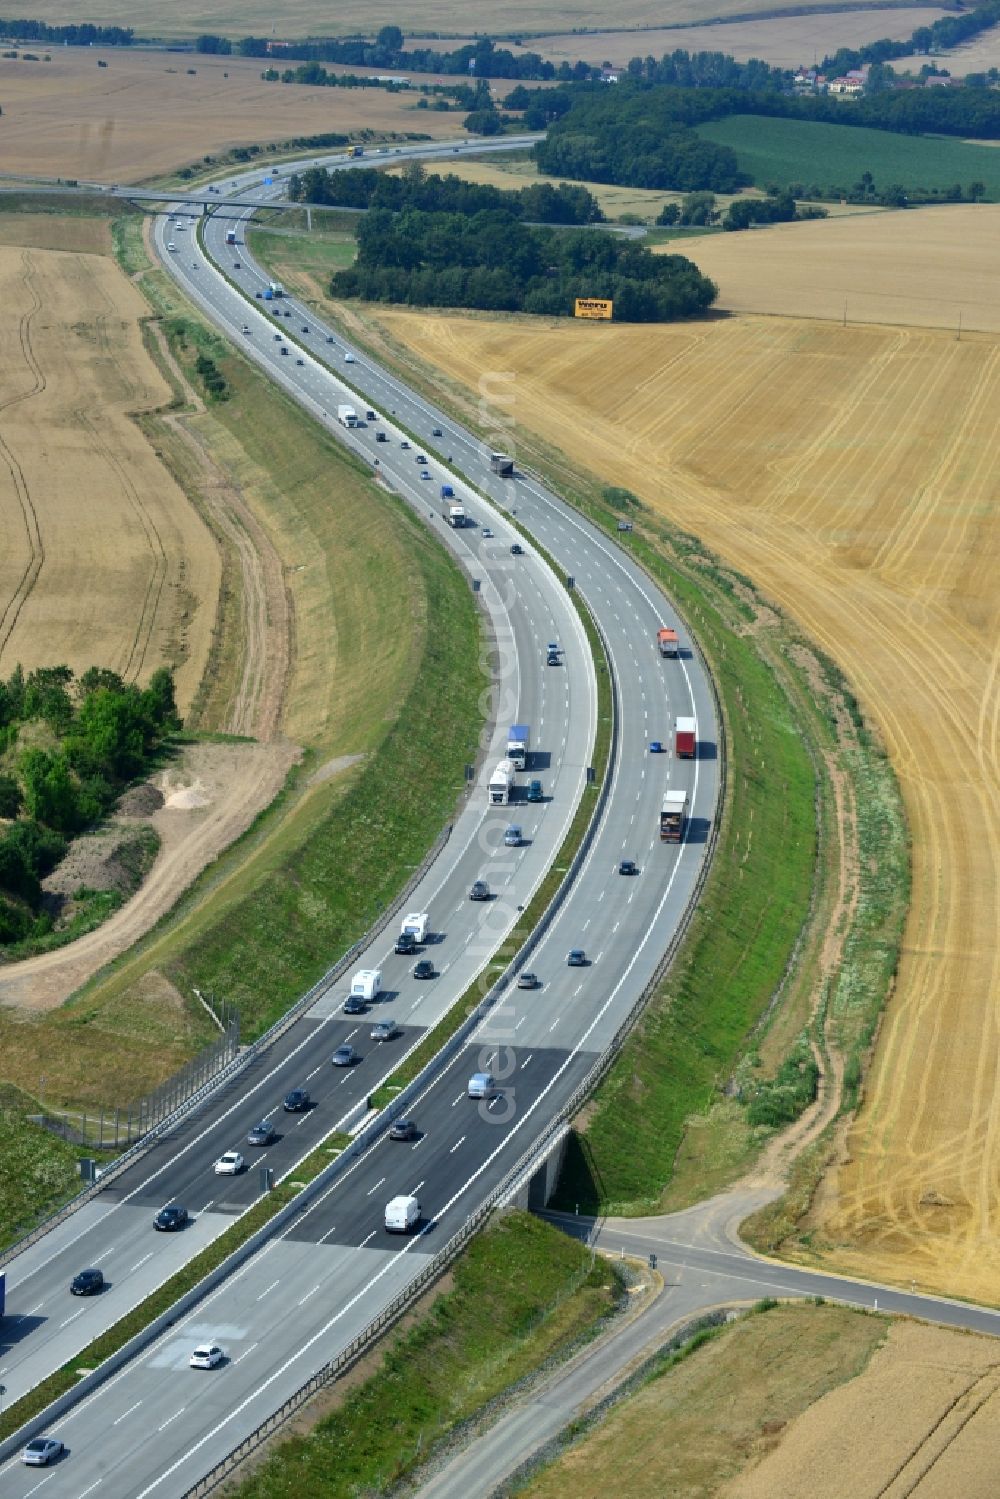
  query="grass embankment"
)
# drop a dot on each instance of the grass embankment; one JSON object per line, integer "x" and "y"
{"x": 835, "y": 156}
{"x": 171, "y": 1290}
{"x": 307, "y": 258}
{"x": 520, "y": 1294}
{"x": 724, "y": 1399}
{"x": 380, "y": 612}
{"x": 533, "y": 911}
{"x": 39, "y": 1171}
{"x": 749, "y": 989}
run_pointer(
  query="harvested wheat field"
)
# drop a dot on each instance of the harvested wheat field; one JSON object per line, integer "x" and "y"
{"x": 924, "y": 1419}
{"x": 852, "y": 473}
{"x": 145, "y": 114}
{"x": 785, "y": 41}
{"x": 296, "y": 18}
{"x": 104, "y": 560}
{"x": 923, "y": 267}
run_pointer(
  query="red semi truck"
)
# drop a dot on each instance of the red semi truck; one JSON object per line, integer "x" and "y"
{"x": 667, "y": 642}
{"x": 685, "y": 740}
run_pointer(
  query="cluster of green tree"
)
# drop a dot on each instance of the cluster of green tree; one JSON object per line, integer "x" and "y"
{"x": 212, "y": 378}
{"x": 683, "y": 69}
{"x": 701, "y": 210}
{"x": 314, "y": 75}
{"x": 76, "y": 36}
{"x": 634, "y": 134}
{"x": 90, "y": 738}
{"x": 540, "y": 202}
{"x": 492, "y": 260}
{"x": 895, "y": 195}
{"x": 943, "y": 33}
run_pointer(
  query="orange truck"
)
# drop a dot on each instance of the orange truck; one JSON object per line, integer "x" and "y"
{"x": 667, "y": 642}
{"x": 685, "y": 730}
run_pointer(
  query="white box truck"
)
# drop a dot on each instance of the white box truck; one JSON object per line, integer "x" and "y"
{"x": 417, "y": 924}
{"x": 518, "y": 745}
{"x": 347, "y": 416}
{"x": 456, "y": 516}
{"x": 402, "y": 1214}
{"x": 501, "y": 782}
{"x": 366, "y": 984}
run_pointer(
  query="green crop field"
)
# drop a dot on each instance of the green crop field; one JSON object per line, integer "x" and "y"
{"x": 835, "y": 156}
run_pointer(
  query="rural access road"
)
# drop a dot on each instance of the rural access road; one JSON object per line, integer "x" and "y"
{"x": 703, "y": 1266}
{"x": 157, "y": 1426}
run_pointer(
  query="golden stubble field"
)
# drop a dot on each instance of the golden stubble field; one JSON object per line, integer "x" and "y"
{"x": 145, "y": 115}
{"x": 297, "y": 18}
{"x": 852, "y": 473}
{"x": 924, "y": 267}
{"x": 104, "y": 560}
{"x": 785, "y": 41}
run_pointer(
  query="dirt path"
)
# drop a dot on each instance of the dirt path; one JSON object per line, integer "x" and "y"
{"x": 211, "y": 796}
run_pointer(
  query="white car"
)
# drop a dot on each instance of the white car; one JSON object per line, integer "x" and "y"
{"x": 171, "y": 245}
{"x": 206, "y": 1356}
{"x": 230, "y": 1164}
{"x": 41, "y": 1451}
{"x": 348, "y": 358}
{"x": 486, "y": 534}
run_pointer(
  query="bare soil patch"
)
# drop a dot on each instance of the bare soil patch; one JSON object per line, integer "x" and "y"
{"x": 924, "y": 268}
{"x": 210, "y": 796}
{"x": 850, "y": 472}
{"x": 145, "y": 114}
{"x": 105, "y": 561}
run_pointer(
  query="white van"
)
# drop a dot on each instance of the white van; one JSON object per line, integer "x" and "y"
{"x": 416, "y": 923}
{"x": 402, "y": 1214}
{"x": 366, "y": 983}
{"x": 482, "y": 1085}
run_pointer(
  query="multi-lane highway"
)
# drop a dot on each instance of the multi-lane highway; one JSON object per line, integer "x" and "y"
{"x": 157, "y": 1426}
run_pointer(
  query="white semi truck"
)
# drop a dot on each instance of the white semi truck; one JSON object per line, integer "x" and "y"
{"x": 501, "y": 783}
{"x": 518, "y": 745}
{"x": 347, "y": 416}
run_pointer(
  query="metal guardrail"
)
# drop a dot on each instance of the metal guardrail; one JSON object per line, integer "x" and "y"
{"x": 231, "y": 1071}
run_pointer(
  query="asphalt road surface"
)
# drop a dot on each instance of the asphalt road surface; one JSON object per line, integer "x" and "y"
{"x": 157, "y": 1426}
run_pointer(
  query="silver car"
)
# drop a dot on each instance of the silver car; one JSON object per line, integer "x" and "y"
{"x": 41, "y": 1451}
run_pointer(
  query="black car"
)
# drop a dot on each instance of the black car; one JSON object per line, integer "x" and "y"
{"x": 329, "y": 336}
{"x": 424, "y": 969}
{"x": 261, "y": 1134}
{"x": 406, "y": 943}
{"x": 283, "y": 350}
{"x": 305, "y": 327}
{"x": 296, "y": 1102}
{"x": 87, "y": 1283}
{"x": 576, "y": 958}
{"x": 628, "y": 866}
{"x": 480, "y": 891}
{"x": 517, "y": 550}
{"x": 354, "y": 1005}
{"x": 237, "y": 266}
{"x": 435, "y": 431}
{"x": 381, "y": 437}
{"x": 403, "y": 1129}
{"x": 552, "y": 659}
{"x": 370, "y": 416}
{"x": 258, "y": 295}
{"x": 170, "y": 1218}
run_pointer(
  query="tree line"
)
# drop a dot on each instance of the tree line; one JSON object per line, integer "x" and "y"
{"x": 83, "y": 35}
{"x": 494, "y": 261}
{"x": 540, "y": 202}
{"x": 68, "y": 747}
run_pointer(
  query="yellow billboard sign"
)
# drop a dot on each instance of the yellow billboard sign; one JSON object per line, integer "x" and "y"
{"x": 594, "y": 307}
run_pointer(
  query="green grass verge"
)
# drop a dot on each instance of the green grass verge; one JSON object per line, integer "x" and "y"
{"x": 833, "y": 157}
{"x": 532, "y": 913}
{"x": 171, "y": 1290}
{"x": 521, "y": 1294}
{"x": 316, "y": 254}
{"x": 39, "y": 1171}
{"x": 750, "y": 914}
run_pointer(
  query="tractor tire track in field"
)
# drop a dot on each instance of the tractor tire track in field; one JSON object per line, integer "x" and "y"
{"x": 29, "y": 515}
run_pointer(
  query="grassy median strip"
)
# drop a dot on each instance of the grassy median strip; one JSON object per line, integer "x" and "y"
{"x": 171, "y": 1290}
{"x": 530, "y": 916}
{"x": 520, "y": 1295}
